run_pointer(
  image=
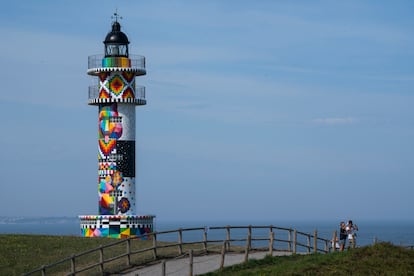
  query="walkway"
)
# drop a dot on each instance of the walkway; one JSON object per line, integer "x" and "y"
{"x": 201, "y": 264}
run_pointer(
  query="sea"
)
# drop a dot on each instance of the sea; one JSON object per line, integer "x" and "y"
{"x": 398, "y": 232}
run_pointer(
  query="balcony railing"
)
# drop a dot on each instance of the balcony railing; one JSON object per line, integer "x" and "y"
{"x": 137, "y": 61}
{"x": 93, "y": 92}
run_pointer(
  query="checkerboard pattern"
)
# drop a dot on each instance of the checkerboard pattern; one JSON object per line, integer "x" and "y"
{"x": 117, "y": 226}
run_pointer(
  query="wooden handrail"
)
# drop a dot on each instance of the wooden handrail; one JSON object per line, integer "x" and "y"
{"x": 293, "y": 243}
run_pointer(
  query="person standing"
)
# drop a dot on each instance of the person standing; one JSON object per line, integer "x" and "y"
{"x": 342, "y": 236}
{"x": 335, "y": 244}
{"x": 351, "y": 229}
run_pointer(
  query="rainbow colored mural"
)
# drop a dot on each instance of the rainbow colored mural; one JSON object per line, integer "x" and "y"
{"x": 117, "y": 85}
{"x": 116, "y": 226}
{"x": 116, "y": 144}
{"x": 116, "y": 62}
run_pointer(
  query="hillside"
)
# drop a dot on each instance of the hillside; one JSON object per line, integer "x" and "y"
{"x": 379, "y": 259}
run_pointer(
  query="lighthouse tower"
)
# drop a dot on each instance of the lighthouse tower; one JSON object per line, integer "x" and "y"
{"x": 116, "y": 95}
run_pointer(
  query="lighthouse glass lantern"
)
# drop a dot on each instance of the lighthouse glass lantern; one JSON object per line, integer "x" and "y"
{"x": 116, "y": 42}
{"x": 116, "y": 95}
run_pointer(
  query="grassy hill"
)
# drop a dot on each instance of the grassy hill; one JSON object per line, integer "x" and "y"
{"x": 379, "y": 259}
{"x": 23, "y": 253}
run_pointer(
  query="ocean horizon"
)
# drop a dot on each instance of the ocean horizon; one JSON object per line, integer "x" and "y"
{"x": 398, "y": 232}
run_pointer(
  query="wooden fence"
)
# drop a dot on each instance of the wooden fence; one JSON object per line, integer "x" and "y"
{"x": 157, "y": 246}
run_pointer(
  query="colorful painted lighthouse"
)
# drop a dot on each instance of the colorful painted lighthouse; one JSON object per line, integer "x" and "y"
{"x": 116, "y": 95}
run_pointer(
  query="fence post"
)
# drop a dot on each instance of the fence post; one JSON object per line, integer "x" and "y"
{"x": 128, "y": 251}
{"x": 309, "y": 245}
{"x": 271, "y": 240}
{"x": 101, "y": 259}
{"x": 333, "y": 243}
{"x": 180, "y": 241}
{"x": 223, "y": 253}
{"x": 43, "y": 270}
{"x": 315, "y": 241}
{"x": 228, "y": 237}
{"x": 294, "y": 241}
{"x": 163, "y": 270}
{"x": 250, "y": 236}
{"x": 205, "y": 239}
{"x": 191, "y": 263}
{"x": 72, "y": 264}
{"x": 154, "y": 245}
{"x": 248, "y": 245}
{"x": 290, "y": 240}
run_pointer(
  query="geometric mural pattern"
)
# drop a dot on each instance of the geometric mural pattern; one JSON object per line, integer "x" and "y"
{"x": 110, "y": 128}
{"x": 116, "y": 153}
{"x": 116, "y": 226}
{"x": 117, "y": 85}
{"x": 116, "y": 232}
{"x": 128, "y": 94}
{"x": 127, "y": 112}
{"x": 127, "y": 163}
{"x": 116, "y": 164}
{"x": 103, "y": 94}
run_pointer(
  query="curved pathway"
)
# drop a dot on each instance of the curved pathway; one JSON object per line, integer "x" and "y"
{"x": 201, "y": 264}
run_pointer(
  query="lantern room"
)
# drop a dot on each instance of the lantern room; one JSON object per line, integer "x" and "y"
{"x": 116, "y": 42}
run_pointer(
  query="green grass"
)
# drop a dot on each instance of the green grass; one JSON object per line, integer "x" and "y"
{"x": 24, "y": 253}
{"x": 379, "y": 259}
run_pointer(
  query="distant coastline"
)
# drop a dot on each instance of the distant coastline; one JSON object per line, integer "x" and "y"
{"x": 36, "y": 220}
{"x": 399, "y": 232}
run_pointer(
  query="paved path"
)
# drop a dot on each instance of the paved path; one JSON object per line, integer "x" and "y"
{"x": 201, "y": 264}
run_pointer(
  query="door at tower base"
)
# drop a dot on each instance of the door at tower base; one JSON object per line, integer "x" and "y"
{"x": 117, "y": 226}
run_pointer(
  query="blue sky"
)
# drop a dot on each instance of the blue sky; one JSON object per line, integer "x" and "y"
{"x": 256, "y": 110}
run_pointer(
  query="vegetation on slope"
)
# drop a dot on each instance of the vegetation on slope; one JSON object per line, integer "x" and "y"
{"x": 379, "y": 259}
{"x": 23, "y": 253}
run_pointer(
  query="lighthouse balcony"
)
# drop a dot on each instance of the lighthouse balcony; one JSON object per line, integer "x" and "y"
{"x": 95, "y": 97}
{"x": 132, "y": 63}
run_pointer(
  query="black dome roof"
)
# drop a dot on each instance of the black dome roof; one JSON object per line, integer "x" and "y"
{"x": 116, "y": 36}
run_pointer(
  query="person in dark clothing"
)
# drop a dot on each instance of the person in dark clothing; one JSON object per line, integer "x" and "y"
{"x": 342, "y": 236}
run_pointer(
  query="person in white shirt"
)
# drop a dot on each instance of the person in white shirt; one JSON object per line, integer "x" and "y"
{"x": 335, "y": 244}
{"x": 351, "y": 229}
